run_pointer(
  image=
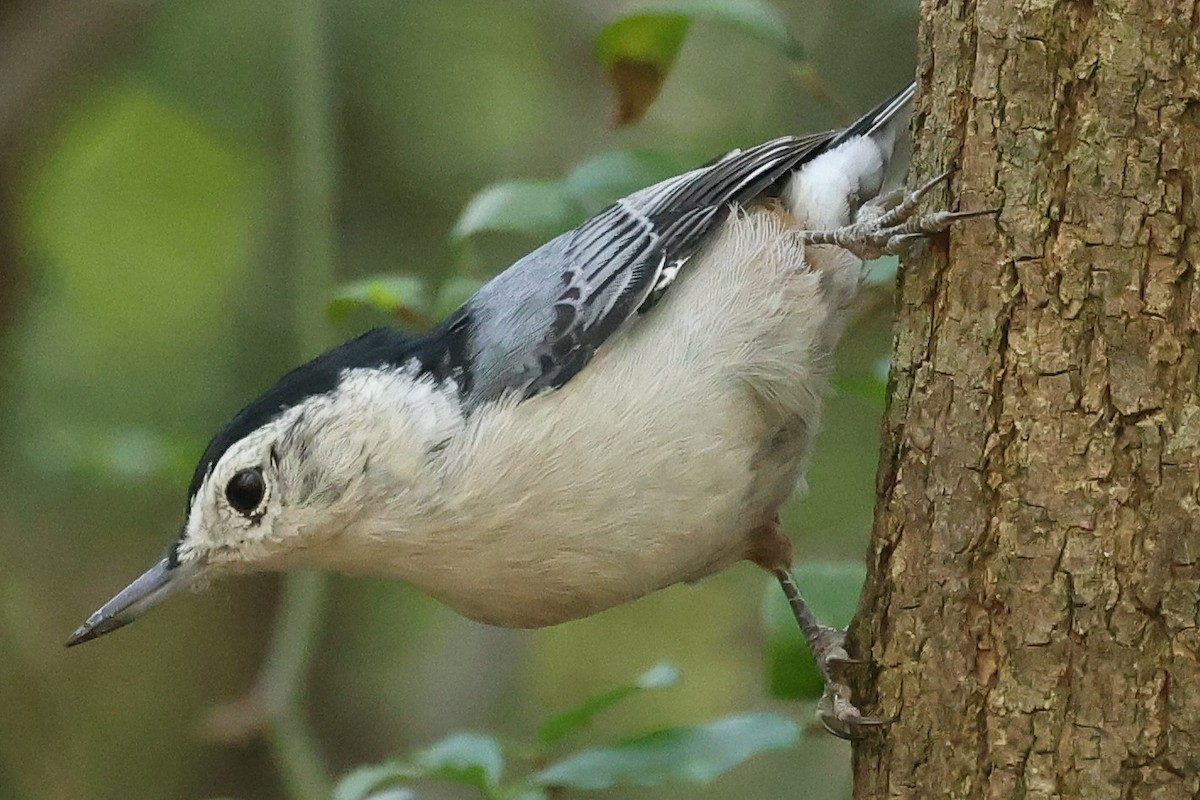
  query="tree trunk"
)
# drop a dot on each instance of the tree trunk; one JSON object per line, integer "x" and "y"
{"x": 1032, "y": 606}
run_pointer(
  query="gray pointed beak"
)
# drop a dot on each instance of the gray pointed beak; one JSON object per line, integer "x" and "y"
{"x": 155, "y": 585}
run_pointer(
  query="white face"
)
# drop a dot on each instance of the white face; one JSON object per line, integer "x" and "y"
{"x": 277, "y": 496}
{"x": 235, "y": 515}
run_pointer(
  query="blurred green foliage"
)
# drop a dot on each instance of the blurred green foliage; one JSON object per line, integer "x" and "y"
{"x": 694, "y": 754}
{"x": 149, "y": 208}
{"x": 560, "y": 726}
{"x": 639, "y": 47}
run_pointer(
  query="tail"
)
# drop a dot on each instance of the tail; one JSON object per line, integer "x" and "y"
{"x": 884, "y": 122}
{"x": 855, "y": 166}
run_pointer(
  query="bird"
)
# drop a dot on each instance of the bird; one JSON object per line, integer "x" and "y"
{"x": 625, "y": 408}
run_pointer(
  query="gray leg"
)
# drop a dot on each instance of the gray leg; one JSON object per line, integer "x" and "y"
{"x": 839, "y": 716}
{"x": 889, "y": 224}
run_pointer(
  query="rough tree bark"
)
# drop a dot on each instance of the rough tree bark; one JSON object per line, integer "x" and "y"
{"x": 1032, "y": 606}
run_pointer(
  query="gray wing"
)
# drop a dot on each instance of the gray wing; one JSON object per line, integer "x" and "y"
{"x": 541, "y": 321}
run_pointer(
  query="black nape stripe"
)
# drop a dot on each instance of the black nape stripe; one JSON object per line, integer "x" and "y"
{"x": 441, "y": 354}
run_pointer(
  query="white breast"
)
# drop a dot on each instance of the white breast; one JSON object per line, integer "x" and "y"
{"x": 650, "y": 466}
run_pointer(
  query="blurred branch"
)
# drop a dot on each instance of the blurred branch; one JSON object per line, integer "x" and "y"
{"x": 311, "y": 168}
{"x": 313, "y": 185}
{"x": 301, "y": 766}
{"x": 274, "y": 705}
{"x": 313, "y": 181}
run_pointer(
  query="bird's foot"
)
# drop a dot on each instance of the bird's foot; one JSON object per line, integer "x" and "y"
{"x": 835, "y": 710}
{"x": 889, "y": 224}
{"x": 841, "y": 717}
{"x": 896, "y": 206}
{"x": 828, "y": 645}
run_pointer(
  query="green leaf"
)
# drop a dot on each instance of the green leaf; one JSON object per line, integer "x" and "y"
{"x": 536, "y": 208}
{"x": 395, "y": 793}
{"x": 639, "y": 48}
{"x": 638, "y": 51}
{"x": 392, "y": 294}
{"x": 541, "y": 209}
{"x": 602, "y": 179}
{"x": 832, "y": 591}
{"x": 470, "y": 758}
{"x": 373, "y": 781}
{"x": 696, "y": 754}
{"x": 560, "y": 726}
{"x": 467, "y": 758}
{"x": 528, "y": 793}
{"x": 650, "y": 35}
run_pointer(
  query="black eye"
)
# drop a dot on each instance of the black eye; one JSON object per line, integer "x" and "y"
{"x": 245, "y": 490}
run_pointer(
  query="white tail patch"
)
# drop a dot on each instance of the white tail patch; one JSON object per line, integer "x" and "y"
{"x": 826, "y": 192}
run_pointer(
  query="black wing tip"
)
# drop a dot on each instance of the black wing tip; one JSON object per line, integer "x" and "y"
{"x": 879, "y": 116}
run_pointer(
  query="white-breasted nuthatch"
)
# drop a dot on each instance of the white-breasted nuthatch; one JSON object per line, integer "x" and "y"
{"x": 624, "y": 408}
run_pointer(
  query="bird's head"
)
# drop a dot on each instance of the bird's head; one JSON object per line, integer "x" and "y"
{"x": 294, "y": 470}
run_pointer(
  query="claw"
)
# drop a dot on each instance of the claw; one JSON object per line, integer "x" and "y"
{"x": 924, "y": 188}
{"x": 904, "y": 209}
{"x": 852, "y": 727}
{"x": 899, "y": 244}
{"x": 938, "y": 221}
{"x": 986, "y": 212}
{"x": 841, "y": 658}
{"x": 841, "y": 718}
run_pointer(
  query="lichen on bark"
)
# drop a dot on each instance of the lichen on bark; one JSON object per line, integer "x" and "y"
{"x": 1033, "y": 604}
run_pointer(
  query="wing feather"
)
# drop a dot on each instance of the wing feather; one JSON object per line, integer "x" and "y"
{"x": 538, "y": 323}
{"x": 618, "y": 264}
